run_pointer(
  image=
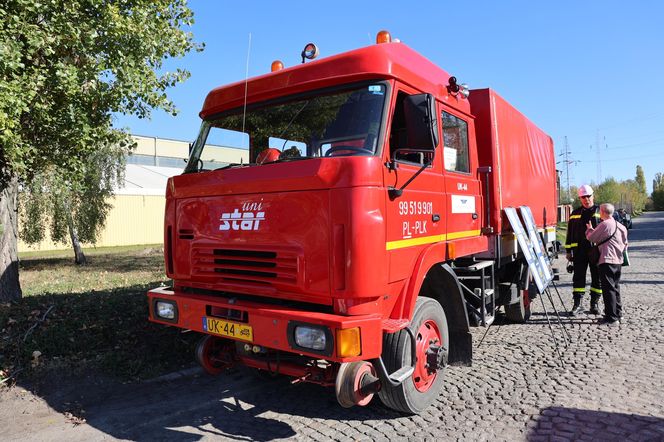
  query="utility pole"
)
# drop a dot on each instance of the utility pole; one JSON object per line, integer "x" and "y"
{"x": 567, "y": 165}
{"x": 567, "y": 159}
{"x": 599, "y": 158}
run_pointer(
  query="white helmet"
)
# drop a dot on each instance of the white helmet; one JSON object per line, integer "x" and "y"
{"x": 585, "y": 190}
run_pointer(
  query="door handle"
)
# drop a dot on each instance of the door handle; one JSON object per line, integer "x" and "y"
{"x": 435, "y": 217}
{"x": 474, "y": 215}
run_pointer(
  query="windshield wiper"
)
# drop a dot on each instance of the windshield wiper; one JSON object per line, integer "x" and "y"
{"x": 287, "y": 159}
{"x": 231, "y": 165}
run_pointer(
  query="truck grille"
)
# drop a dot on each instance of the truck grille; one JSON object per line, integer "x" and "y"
{"x": 253, "y": 266}
{"x": 186, "y": 234}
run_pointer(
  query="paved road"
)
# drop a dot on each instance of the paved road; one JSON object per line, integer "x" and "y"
{"x": 610, "y": 387}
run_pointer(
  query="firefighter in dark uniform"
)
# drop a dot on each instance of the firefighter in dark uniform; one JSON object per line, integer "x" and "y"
{"x": 578, "y": 249}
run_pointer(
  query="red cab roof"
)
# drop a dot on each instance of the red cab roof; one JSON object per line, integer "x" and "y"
{"x": 380, "y": 61}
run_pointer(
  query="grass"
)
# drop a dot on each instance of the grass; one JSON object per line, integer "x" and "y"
{"x": 77, "y": 318}
{"x": 561, "y": 232}
{"x": 107, "y": 269}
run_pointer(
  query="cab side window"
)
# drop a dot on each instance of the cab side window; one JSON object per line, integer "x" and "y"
{"x": 399, "y": 138}
{"x": 455, "y": 143}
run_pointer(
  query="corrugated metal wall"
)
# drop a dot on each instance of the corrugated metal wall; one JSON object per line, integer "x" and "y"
{"x": 135, "y": 219}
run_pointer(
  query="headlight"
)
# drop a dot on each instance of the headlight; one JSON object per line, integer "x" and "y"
{"x": 310, "y": 337}
{"x": 165, "y": 310}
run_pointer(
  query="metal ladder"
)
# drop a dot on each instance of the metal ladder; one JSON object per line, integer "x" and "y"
{"x": 480, "y": 298}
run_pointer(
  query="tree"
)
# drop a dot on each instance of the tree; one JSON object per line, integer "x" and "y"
{"x": 608, "y": 192}
{"x": 657, "y": 181}
{"x": 641, "y": 180}
{"x": 65, "y": 68}
{"x": 574, "y": 201}
{"x": 658, "y": 192}
{"x": 72, "y": 211}
{"x": 623, "y": 194}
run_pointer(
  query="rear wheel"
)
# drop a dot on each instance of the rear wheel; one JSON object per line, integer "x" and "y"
{"x": 519, "y": 311}
{"x": 432, "y": 343}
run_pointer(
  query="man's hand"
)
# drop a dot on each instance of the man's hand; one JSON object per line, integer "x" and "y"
{"x": 568, "y": 255}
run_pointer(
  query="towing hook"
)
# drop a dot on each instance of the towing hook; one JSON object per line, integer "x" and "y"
{"x": 370, "y": 384}
{"x": 436, "y": 357}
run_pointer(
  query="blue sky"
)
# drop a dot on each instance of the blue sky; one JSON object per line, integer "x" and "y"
{"x": 587, "y": 70}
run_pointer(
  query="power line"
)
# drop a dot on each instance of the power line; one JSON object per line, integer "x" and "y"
{"x": 639, "y": 119}
{"x": 623, "y": 123}
{"x": 631, "y": 136}
{"x": 623, "y": 159}
{"x": 645, "y": 143}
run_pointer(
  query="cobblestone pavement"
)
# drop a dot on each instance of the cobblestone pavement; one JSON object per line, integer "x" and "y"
{"x": 609, "y": 386}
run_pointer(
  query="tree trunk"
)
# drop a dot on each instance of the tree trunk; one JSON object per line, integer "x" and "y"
{"x": 79, "y": 257}
{"x": 10, "y": 288}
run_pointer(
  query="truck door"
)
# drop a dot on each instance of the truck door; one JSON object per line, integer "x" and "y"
{"x": 417, "y": 217}
{"x": 463, "y": 188}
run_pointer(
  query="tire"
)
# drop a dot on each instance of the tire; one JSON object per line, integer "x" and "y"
{"x": 419, "y": 391}
{"x": 207, "y": 350}
{"x": 520, "y": 311}
{"x": 348, "y": 384}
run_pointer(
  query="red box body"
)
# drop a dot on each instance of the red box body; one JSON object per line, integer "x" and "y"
{"x": 521, "y": 157}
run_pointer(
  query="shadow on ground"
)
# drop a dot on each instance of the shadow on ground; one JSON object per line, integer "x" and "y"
{"x": 106, "y": 330}
{"x": 237, "y": 405}
{"x": 558, "y": 423}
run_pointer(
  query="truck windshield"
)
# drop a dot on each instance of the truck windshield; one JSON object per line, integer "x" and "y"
{"x": 337, "y": 123}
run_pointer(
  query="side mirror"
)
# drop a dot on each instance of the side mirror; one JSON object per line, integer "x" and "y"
{"x": 421, "y": 122}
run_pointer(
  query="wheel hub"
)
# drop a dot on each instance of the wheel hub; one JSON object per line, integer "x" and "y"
{"x": 430, "y": 355}
{"x": 436, "y": 357}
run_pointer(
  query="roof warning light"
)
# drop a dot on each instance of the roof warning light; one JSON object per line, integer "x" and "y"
{"x": 383, "y": 37}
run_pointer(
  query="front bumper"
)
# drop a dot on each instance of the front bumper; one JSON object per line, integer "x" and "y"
{"x": 271, "y": 326}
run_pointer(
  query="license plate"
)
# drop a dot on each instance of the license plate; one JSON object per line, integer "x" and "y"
{"x": 227, "y": 328}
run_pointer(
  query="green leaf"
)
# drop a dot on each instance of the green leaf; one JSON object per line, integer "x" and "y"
{"x": 65, "y": 68}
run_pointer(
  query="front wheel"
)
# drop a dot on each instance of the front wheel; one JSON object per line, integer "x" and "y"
{"x": 213, "y": 354}
{"x": 432, "y": 342}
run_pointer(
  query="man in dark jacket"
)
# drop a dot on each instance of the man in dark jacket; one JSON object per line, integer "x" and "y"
{"x": 578, "y": 250}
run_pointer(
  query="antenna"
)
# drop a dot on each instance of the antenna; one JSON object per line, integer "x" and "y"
{"x": 246, "y": 84}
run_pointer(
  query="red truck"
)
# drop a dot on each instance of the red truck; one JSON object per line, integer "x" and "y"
{"x": 367, "y": 232}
